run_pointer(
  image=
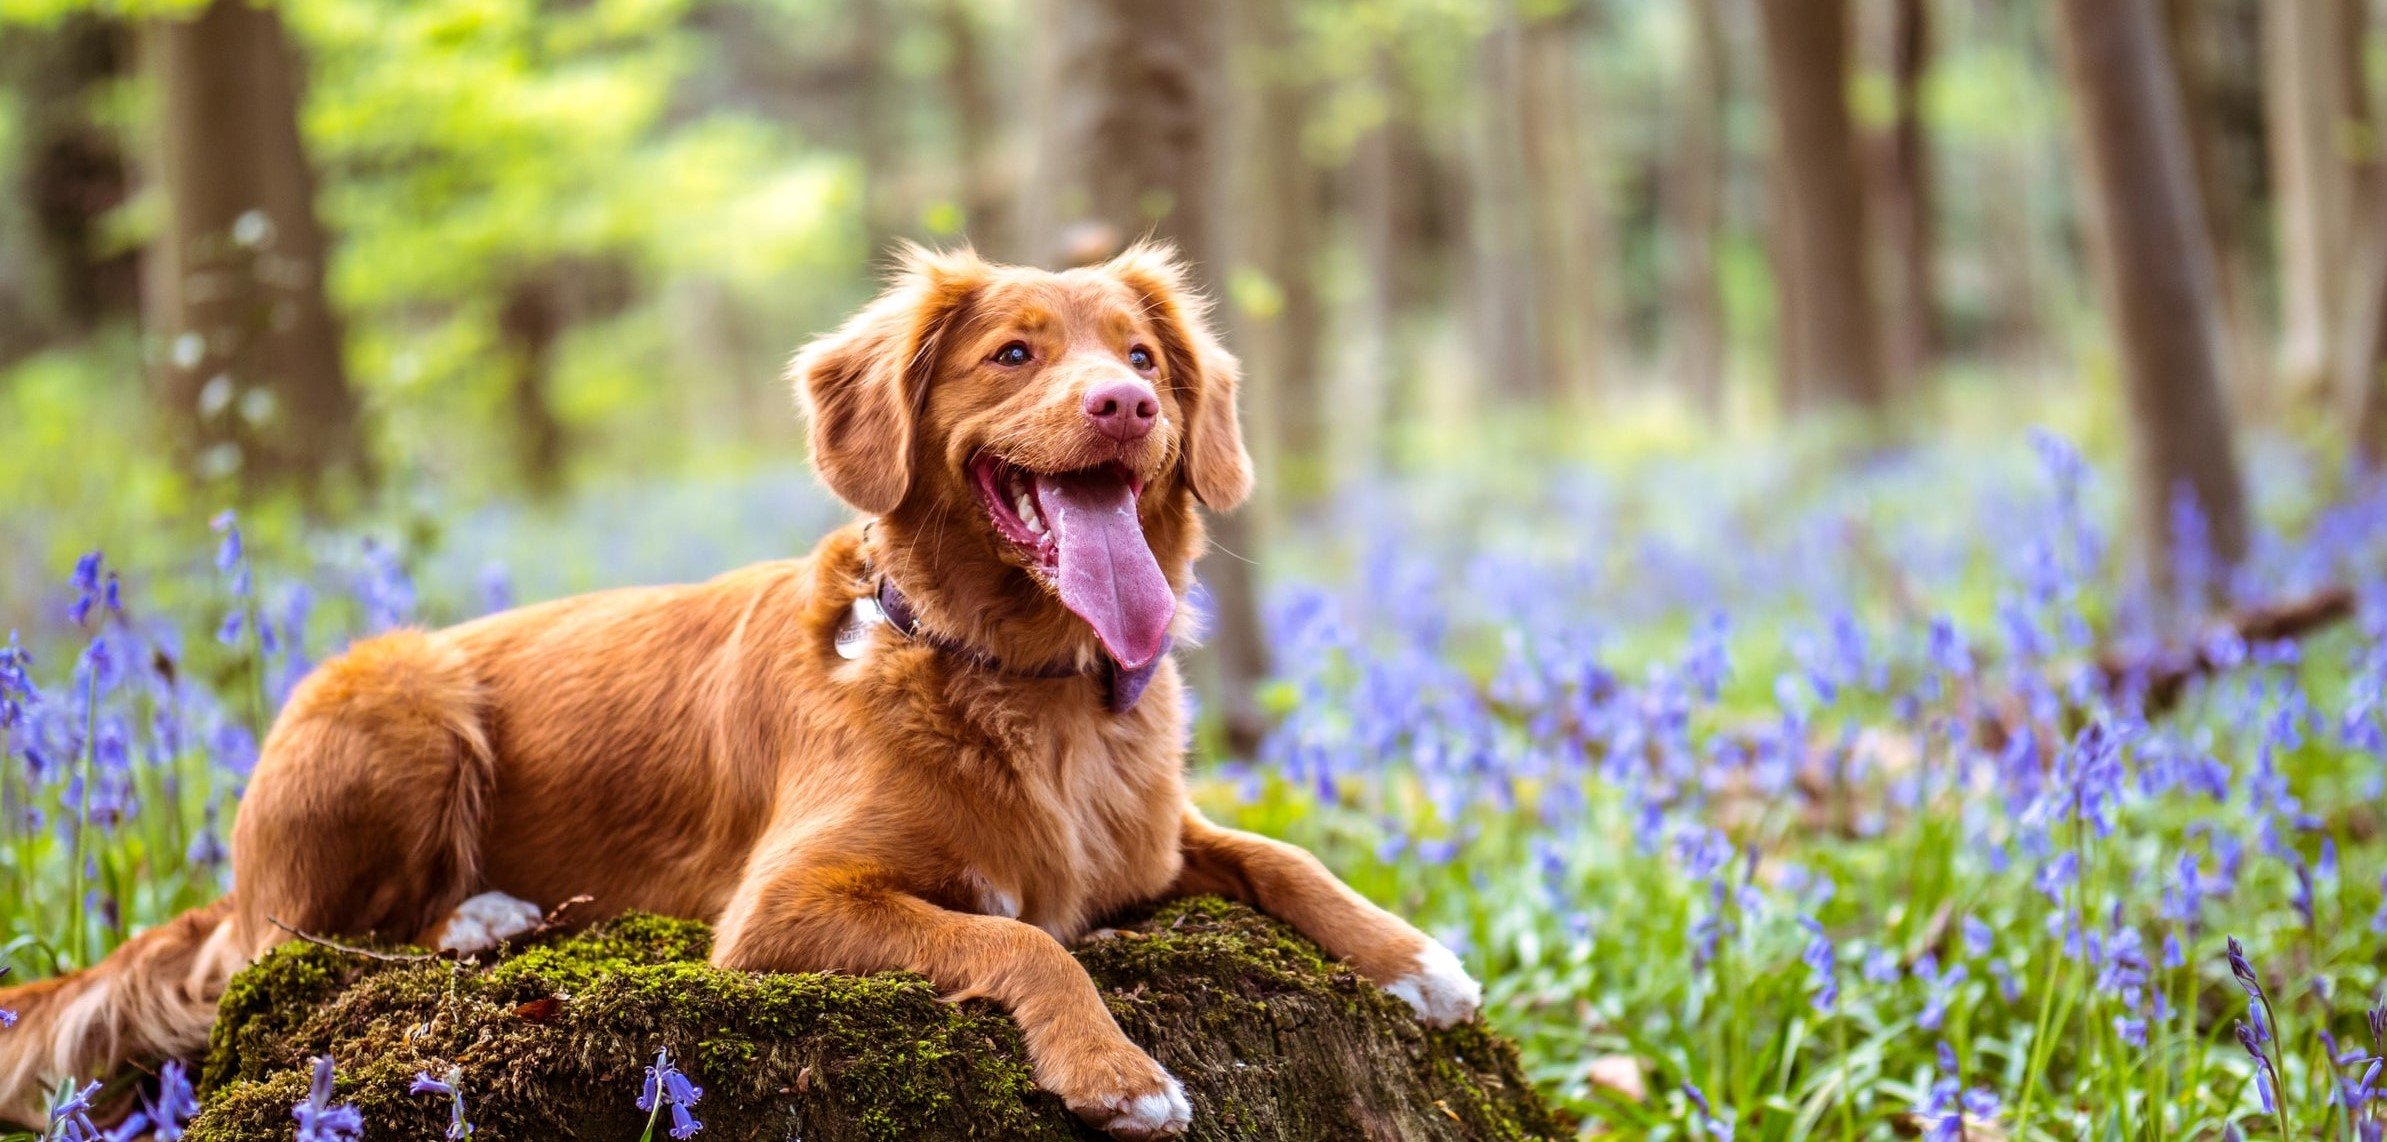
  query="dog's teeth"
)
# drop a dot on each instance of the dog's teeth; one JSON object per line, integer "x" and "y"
{"x": 1027, "y": 509}
{"x": 1035, "y": 525}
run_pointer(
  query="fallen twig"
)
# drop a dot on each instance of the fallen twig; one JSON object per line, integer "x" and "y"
{"x": 555, "y": 916}
{"x": 386, "y": 957}
{"x": 2160, "y": 679}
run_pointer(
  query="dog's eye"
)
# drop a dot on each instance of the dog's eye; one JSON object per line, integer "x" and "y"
{"x": 1013, "y": 354}
{"x": 1140, "y": 358}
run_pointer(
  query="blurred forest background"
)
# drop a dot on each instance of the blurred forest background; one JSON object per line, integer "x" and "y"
{"x": 356, "y": 260}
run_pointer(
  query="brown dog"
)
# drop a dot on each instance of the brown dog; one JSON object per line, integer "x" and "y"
{"x": 948, "y": 741}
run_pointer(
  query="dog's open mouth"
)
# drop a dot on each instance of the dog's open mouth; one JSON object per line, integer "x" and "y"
{"x": 1081, "y": 533}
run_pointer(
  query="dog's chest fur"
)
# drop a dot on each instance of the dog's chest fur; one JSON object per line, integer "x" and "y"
{"x": 1061, "y": 811}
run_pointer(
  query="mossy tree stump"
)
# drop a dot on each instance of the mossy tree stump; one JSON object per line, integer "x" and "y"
{"x": 1270, "y": 1039}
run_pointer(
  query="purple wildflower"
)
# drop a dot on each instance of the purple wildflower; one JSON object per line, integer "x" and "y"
{"x": 175, "y": 1103}
{"x": 1881, "y": 966}
{"x": 2242, "y": 968}
{"x": 1939, "y": 988}
{"x": 86, "y": 582}
{"x": 321, "y": 1120}
{"x": 667, "y": 1087}
{"x": 458, "y": 1128}
{"x": 1822, "y": 962}
{"x": 70, "y": 1114}
{"x": 1719, "y": 1127}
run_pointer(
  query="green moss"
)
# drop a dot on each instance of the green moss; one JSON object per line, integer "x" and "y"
{"x": 1270, "y": 1038}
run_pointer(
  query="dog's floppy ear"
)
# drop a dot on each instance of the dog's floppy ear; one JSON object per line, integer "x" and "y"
{"x": 861, "y": 387}
{"x": 1216, "y": 465}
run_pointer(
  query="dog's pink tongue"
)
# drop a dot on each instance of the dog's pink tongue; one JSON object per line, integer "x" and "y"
{"x": 1108, "y": 575}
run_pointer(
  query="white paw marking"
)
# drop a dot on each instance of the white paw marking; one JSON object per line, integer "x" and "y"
{"x": 1440, "y": 990}
{"x": 485, "y": 921}
{"x": 1162, "y": 1114}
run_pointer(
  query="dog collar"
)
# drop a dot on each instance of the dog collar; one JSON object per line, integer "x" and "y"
{"x": 1121, "y": 688}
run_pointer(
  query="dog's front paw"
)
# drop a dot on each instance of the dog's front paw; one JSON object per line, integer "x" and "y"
{"x": 1128, "y": 1096}
{"x": 1439, "y": 988}
{"x": 1161, "y": 1113}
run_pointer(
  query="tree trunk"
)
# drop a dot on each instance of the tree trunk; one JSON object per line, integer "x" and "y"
{"x": 1908, "y": 203}
{"x": 2312, "y": 181}
{"x": 2196, "y": 43}
{"x": 1509, "y": 339}
{"x": 1129, "y": 96}
{"x": 2158, "y": 270}
{"x": 528, "y": 324}
{"x": 978, "y": 150}
{"x": 2366, "y": 355}
{"x": 878, "y": 127}
{"x": 1567, "y": 212}
{"x": 1270, "y": 1040}
{"x": 2362, "y": 350}
{"x": 234, "y": 285}
{"x": 1400, "y": 208}
{"x": 1696, "y": 332}
{"x": 1836, "y": 358}
{"x": 2356, "y": 137}
{"x": 71, "y": 174}
{"x": 1277, "y": 236}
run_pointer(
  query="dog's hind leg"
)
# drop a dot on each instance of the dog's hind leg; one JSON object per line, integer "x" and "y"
{"x": 365, "y": 814}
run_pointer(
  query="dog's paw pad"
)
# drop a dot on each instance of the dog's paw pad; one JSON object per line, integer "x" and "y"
{"x": 1164, "y": 1113}
{"x": 1440, "y": 990}
{"x": 485, "y": 921}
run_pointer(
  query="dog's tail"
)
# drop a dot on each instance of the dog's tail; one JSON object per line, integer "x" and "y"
{"x": 152, "y": 998}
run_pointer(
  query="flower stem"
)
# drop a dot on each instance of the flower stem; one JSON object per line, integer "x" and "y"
{"x": 87, "y": 761}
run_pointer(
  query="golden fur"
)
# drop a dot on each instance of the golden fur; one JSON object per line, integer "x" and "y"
{"x": 704, "y": 751}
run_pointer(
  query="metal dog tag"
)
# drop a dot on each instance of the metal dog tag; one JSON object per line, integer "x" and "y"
{"x": 853, "y": 635}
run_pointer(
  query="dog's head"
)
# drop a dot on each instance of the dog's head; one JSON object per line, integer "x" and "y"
{"x": 1056, "y": 426}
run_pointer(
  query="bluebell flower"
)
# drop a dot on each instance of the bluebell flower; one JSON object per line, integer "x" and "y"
{"x": 134, "y": 1128}
{"x": 18, "y": 694}
{"x": 1942, "y": 1110}
{"x": 228, "y": 553}
{"x": 2009, "y": 985}
{"x": 1719, "y": 1127}
{"x": 458, "y": 1128}
{"x": 1939, "y": 989}
{"x": 2243, "y": 969}
{"x": 1977, "y": 938}
{"x": 86, "y": 584}
{"x": 1822, "y": 965}
{"x": 319, "y": 1118}
{"x": 667, "y": 1087}
{"x": 70, "y": 1114}
{"x": 175, "y": 1103}
{"x": 2058, "y": 875}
